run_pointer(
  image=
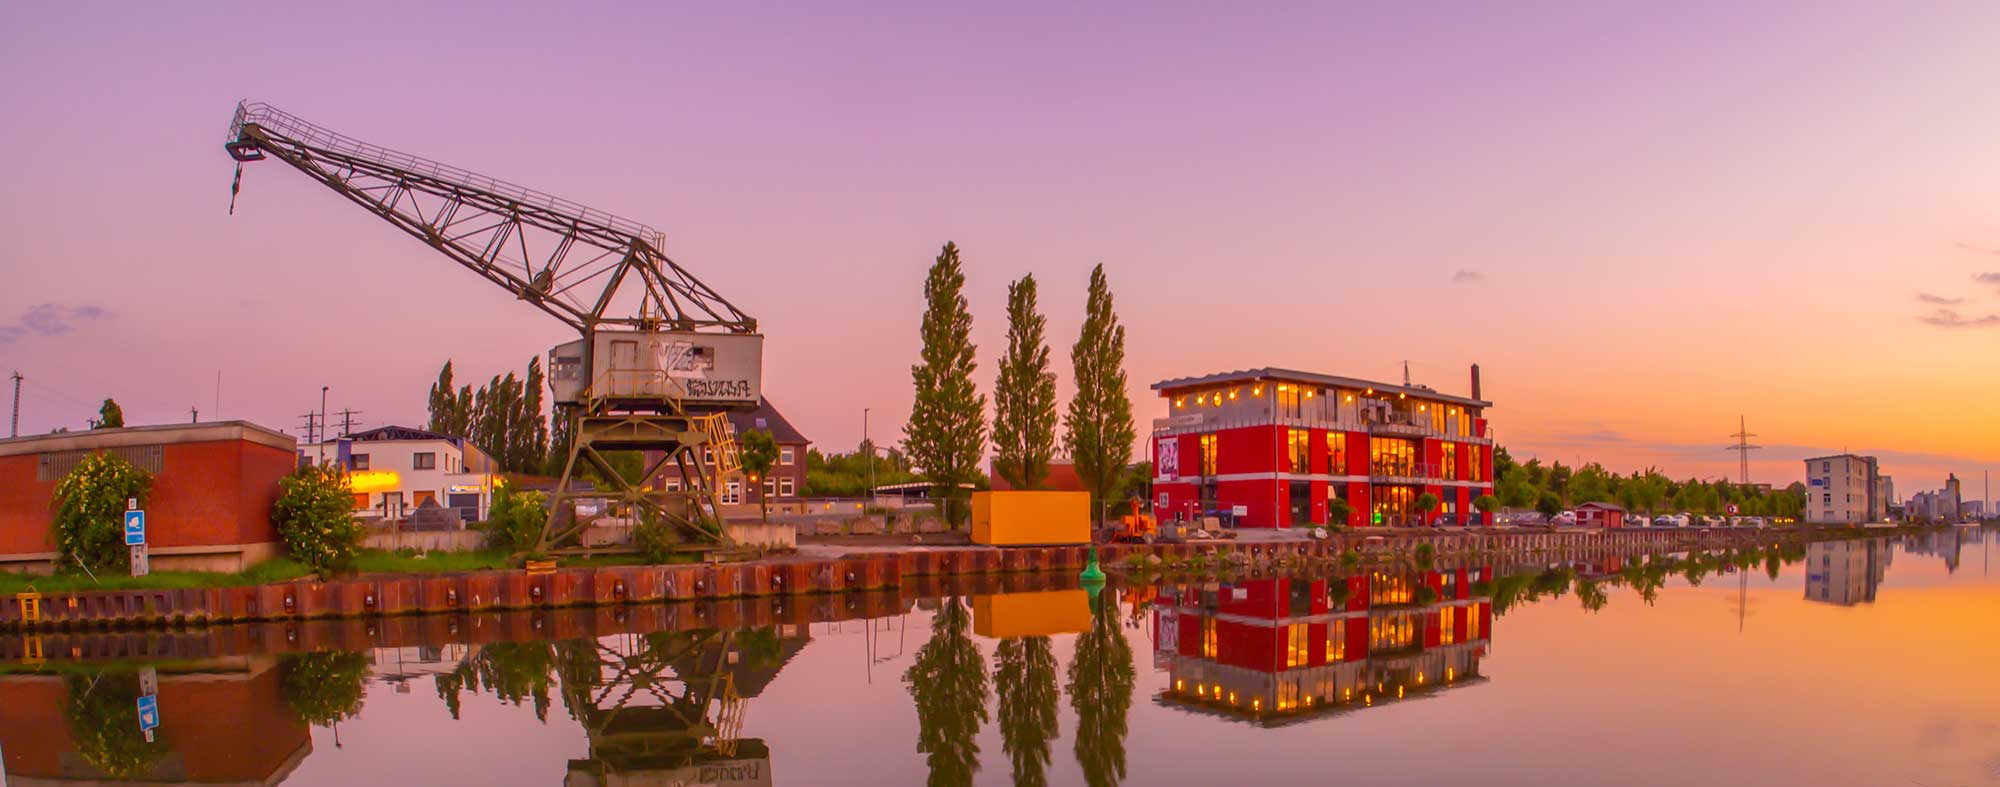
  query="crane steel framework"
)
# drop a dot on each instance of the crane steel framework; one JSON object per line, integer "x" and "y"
{"x": 568, "y": 260}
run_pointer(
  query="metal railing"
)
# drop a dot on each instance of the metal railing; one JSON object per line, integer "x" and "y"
{"x": 1420, "y": 471}
{"x": 293, "y": 128}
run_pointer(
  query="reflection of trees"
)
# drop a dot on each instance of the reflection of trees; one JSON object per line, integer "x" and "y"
{"x": 1592, "y": 595}
{"x": 948, "y": 684}
{"x": 1100, "y": 691}
{"x": 102, "y": 713}
{"x": 323, "y": 688}
{"x": 1024, "y": 676}
{"x": 513, "y": 671}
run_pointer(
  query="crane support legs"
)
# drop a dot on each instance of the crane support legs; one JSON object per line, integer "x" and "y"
{"x": 691, "y": 512}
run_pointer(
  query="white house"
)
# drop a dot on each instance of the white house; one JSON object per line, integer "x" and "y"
{"x": 395, "y": 470}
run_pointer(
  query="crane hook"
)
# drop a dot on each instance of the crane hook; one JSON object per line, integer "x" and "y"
{"x": 234, "y": 187}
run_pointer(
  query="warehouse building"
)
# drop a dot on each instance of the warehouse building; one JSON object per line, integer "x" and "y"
{"x": 210, "y": 504}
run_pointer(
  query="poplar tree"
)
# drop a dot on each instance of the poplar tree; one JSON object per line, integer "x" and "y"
{"x": 1024, "y": 398}
{"x": 1099, "y": 422}
{"x": 947, "y": 428}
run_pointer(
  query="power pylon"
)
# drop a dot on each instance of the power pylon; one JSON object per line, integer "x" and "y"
{"x": 1743, "y": 448}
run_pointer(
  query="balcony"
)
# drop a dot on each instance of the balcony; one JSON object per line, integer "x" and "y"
{"x": 1405, "y": 472}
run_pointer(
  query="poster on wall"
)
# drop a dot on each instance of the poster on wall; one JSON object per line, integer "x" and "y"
{"x": 1169, "y": 458}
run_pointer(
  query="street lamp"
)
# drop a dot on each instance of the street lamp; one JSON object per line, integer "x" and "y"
{"x": 322, "y": 424}
{"x": 871, "y": 453}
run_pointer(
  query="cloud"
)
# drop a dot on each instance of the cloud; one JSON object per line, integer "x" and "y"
{"x": 1948, "y": 318}
{"x": 1467, "y": 277}
{"x": 1990, "y": 277}
{"x": 1939, "y": 299}
{"x": 50, "y": 319}
{"x": 1980, "y": 249}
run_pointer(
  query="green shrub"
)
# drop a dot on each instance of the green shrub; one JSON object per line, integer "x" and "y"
{"x": 315, "y": 518}
{"x": 90, "y": 512}
{"x": 1426, "y": 555}
{"x": 100, "y": 713}
{"x": 516, "y": 519}
{"x": 654, "y": 538}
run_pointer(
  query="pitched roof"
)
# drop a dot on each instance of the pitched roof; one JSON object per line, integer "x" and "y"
{"x": 766, "y": 418}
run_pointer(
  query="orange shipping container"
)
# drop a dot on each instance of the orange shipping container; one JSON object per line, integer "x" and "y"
{"x": 1030, "y": 518}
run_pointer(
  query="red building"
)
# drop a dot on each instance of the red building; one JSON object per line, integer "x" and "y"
{"x": 1278, "y": 650}
{"x": 1600, "y": 515}
{"x": 209, "y": 508}
{"x": 1270, "y": 447}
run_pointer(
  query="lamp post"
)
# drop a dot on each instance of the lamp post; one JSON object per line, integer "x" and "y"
{"x": 322, "y": 424}
{"x": 871, "y": 453}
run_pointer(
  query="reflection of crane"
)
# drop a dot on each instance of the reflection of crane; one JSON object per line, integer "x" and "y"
{"x": 601, "y": 275}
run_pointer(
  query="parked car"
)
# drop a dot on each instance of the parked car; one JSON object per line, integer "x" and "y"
{"x": 1671, "y": 520}
{"x": 1564, "y": 519}
{"x": 1711, "y": 520}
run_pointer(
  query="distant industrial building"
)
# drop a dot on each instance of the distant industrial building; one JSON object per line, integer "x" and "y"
{"x": 1844, "y": 489}
{"x": 1943, "y": 505}
{"x": 1271, "y": 447}
{"x": 396, "y": 471}
{"x": 787, "y": 479}
{"x": 210, "y": 504}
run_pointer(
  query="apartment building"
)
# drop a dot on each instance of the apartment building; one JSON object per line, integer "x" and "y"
{"x": 1844, "y": 489}
{"x": 1271, "y": 447}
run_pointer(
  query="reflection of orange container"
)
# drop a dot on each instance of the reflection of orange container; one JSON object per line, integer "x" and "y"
{"x": 1038, "y": 614}
{"x": 1021, "y": 518}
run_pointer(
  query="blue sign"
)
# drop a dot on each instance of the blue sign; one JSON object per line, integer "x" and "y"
{"x": 149, "y": 712}
{"x": 1815, "y": 482}
{"x": 135, "y": 528}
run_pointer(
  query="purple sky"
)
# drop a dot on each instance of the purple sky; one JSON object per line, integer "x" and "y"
{"x": 1640, "y": 222}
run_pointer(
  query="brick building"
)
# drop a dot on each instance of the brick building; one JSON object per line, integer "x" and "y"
{"x": 1269, "y": 447}
{"x": 787, "y": 480}
{"x": 209, "y": 508}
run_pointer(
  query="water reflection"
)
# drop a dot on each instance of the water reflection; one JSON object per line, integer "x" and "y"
{"x": 1016, "y": 681}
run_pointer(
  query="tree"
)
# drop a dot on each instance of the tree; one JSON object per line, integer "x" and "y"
{"x": 759, "y": 454}
{"x": 1024, "y": 398}
{"x": 1559, "y": 477}
{"x": 1426, "y": 503}
{"x": 1338, "y": 511}
{"x": 323, "y": 687}
{"x": 89, "y": 522}
{"x": 531, "y": 432}
{"x": 450, "y": 408}
{"x": 1099, "y": 423}
{"x": 314, "y": 514}
{"x": 1024, "y": 677}
{"x": 1549, "y": 504}
{"x": 948, "y": 684}
{"x": 110, "y": 416}
{"x": 947, "y": 428}
{"x": 1486, "y": 504}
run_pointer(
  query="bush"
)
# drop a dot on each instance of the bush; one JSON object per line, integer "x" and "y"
{"x": 516, "y": 520}
{"x": 1426, "y": 555}
{"x": 90, "y": 512}
{"x": 654, "y": 538}
{"x": 315, "y": 518}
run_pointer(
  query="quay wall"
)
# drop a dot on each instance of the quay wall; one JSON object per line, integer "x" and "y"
{"x": 388, "y": 595}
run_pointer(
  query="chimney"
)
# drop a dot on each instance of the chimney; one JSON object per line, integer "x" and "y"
{"x": 1475, "y": 381}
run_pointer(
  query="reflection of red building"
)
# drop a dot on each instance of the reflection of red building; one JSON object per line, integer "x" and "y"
{"x": 226, "y": 724}
{"x": 1271, "y": 447}
{"x": 1277, "y": 650}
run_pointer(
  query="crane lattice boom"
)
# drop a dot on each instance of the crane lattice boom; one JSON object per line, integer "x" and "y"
{"x": 568, "y": 259}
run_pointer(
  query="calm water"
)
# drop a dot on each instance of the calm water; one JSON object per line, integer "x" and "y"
{"x": 1868, "y": 662}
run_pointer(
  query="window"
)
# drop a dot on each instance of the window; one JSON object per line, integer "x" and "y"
{"x": 424, "y": 461}
{"x": 785, "y": 455}
{"x": 1393, "y": 457}
{"x": 733, "y": 493}
{"x": 1297, "y": 648}
{"x": 785, "y": 488}
{"x": 357, "y": 461}
{"x": 708, "y": 454}
{"x": 1474, "y": 455}
{"x": 1448, "y": 462}
{"x": 1392, "y": 632}
{"x": 1336, "y": 642}
{"x": 1208, "y": 454}
{"x": 1299, "y": 456}
{"x": 770, "y": 486}
{"x": 1336, "y": 452}
{"x": 1437, "y": 418}
{"x": 1288, "y": 400}
{"x": 1472, "y": 622}
{"x": 1447, "y": 625}
{"x": 1208, "y": 638}
{"x": 673, "y": 485}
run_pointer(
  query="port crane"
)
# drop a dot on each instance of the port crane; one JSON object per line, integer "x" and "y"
{"x": 661, "y": 357}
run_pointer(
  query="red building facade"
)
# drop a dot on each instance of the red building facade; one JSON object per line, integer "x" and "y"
{"x": 1285, "y": 649}
{"x": 1270, "y": 447}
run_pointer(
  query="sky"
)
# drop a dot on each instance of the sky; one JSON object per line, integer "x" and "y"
{"x": 1642, "y": 222}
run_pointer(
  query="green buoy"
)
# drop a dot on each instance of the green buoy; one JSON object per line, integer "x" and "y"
{"x": 1091, "y": 573}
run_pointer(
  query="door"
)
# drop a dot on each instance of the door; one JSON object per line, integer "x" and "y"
{"x": 1300, "y": 510}
{"x": 625, "y": 374}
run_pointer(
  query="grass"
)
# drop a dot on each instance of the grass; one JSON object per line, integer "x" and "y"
{"x": 371, "y": 561}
